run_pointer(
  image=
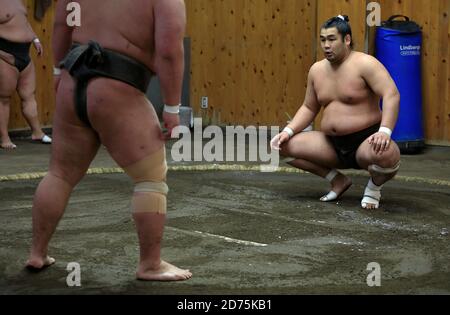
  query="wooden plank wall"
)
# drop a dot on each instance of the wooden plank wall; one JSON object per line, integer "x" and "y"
{"x": 251, "y": 57}
{"x": 44, "y": 78}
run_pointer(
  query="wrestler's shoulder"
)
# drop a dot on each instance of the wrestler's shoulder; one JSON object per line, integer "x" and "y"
{"x": 317, "y": 67}
{"x": 363, "y": 58}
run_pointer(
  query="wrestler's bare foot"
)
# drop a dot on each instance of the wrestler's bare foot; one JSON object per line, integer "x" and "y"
{"x": 7, "y": 144}
{"x": 165, "y": 272}
{"x": 41, "y": 137}
{"x": 36, "y": 136}
{"x": 39, "y": 263}
{"x": 339, "y": 186}
{"x": 371, "y": 206}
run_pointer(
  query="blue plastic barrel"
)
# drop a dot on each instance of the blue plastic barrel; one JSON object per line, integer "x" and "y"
{"x": 398, "y": 48}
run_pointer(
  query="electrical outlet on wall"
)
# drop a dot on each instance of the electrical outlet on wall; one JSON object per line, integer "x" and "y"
{"x": 204, "y": 104}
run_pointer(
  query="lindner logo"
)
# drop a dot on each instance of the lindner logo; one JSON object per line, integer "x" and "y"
{"x": 410, "y": 50}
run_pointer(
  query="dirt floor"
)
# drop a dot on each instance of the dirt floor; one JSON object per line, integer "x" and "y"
{"x": 239, "y": 231}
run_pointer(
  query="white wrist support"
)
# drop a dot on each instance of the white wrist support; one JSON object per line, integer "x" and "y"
{"x": 172, "y": 109}
{"x": 289, "y": 131}
{"x": 386, "y": 130}
{"x": 36, "y": 40}
{"x": 56, "y": 71}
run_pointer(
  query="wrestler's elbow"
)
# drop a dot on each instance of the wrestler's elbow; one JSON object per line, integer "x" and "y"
{"x": 396, "y": 95}
{"x": 396, "y": 98}
{"x": 171, "y": 55}
{"x": 170, "y": 49}
{"x": 311, "y": 110}
{"x": 392, "y": 97}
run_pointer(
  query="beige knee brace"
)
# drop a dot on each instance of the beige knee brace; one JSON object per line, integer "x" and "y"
{"x": 151, "y": 189}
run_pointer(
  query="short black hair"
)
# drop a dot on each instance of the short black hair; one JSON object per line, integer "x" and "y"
{"x": 342, "y": 23}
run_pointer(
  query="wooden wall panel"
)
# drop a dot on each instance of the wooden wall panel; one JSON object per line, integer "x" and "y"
{"x": 447, "y": 99}
{"x": 44, "y": 77}
{"x": 250, "y": 58}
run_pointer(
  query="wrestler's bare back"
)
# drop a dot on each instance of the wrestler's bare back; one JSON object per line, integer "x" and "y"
{"x": 121, "y": 25}
{"x": 349, "y": 103}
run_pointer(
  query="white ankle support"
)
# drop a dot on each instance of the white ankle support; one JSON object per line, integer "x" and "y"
{"x": 372, "y": 195}
{"x": 372, "y": 185}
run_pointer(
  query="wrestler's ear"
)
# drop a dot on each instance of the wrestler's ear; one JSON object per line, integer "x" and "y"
{"x": 348, "y": 39}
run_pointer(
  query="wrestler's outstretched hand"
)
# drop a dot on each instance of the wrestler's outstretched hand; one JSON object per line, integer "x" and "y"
{"x": 170, "y": 122}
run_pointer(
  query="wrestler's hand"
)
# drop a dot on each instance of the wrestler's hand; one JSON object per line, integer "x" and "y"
{"x": 39, "y": 48}
{"x": 56, "y": 80}
{"x": 170, "y": 122}
{"x": 278, "y": 140}
{"x": 380, "y": 142}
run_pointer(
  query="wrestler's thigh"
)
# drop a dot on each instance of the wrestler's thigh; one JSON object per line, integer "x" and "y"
{"x": 74, "y": 145}
{"x": 65, "y": 108}
{"x": 8, "y": 79}
{"x": 26, "y": 85}
{"x": 313, "y": 146}
{"x": 125, "y": 121}
{"x": 366, "y": 156}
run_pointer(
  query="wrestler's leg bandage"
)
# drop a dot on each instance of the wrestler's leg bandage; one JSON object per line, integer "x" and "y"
{"x": 151, "y": 189}
{"x": 384, "y": 171}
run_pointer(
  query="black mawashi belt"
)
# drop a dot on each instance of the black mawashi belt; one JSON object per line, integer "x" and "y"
{"x": 85, "y": 62}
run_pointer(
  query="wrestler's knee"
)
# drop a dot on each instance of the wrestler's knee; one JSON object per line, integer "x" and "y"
{"x": 287, "y": 148}
{"x": 151, "y": 189}
{"x": 284, "y": 152}
{"x": 71, "y": 177}
{"x": 27, "y": 98}
{"x": 387, "y": 159}
{"x": 151, "y": 168}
